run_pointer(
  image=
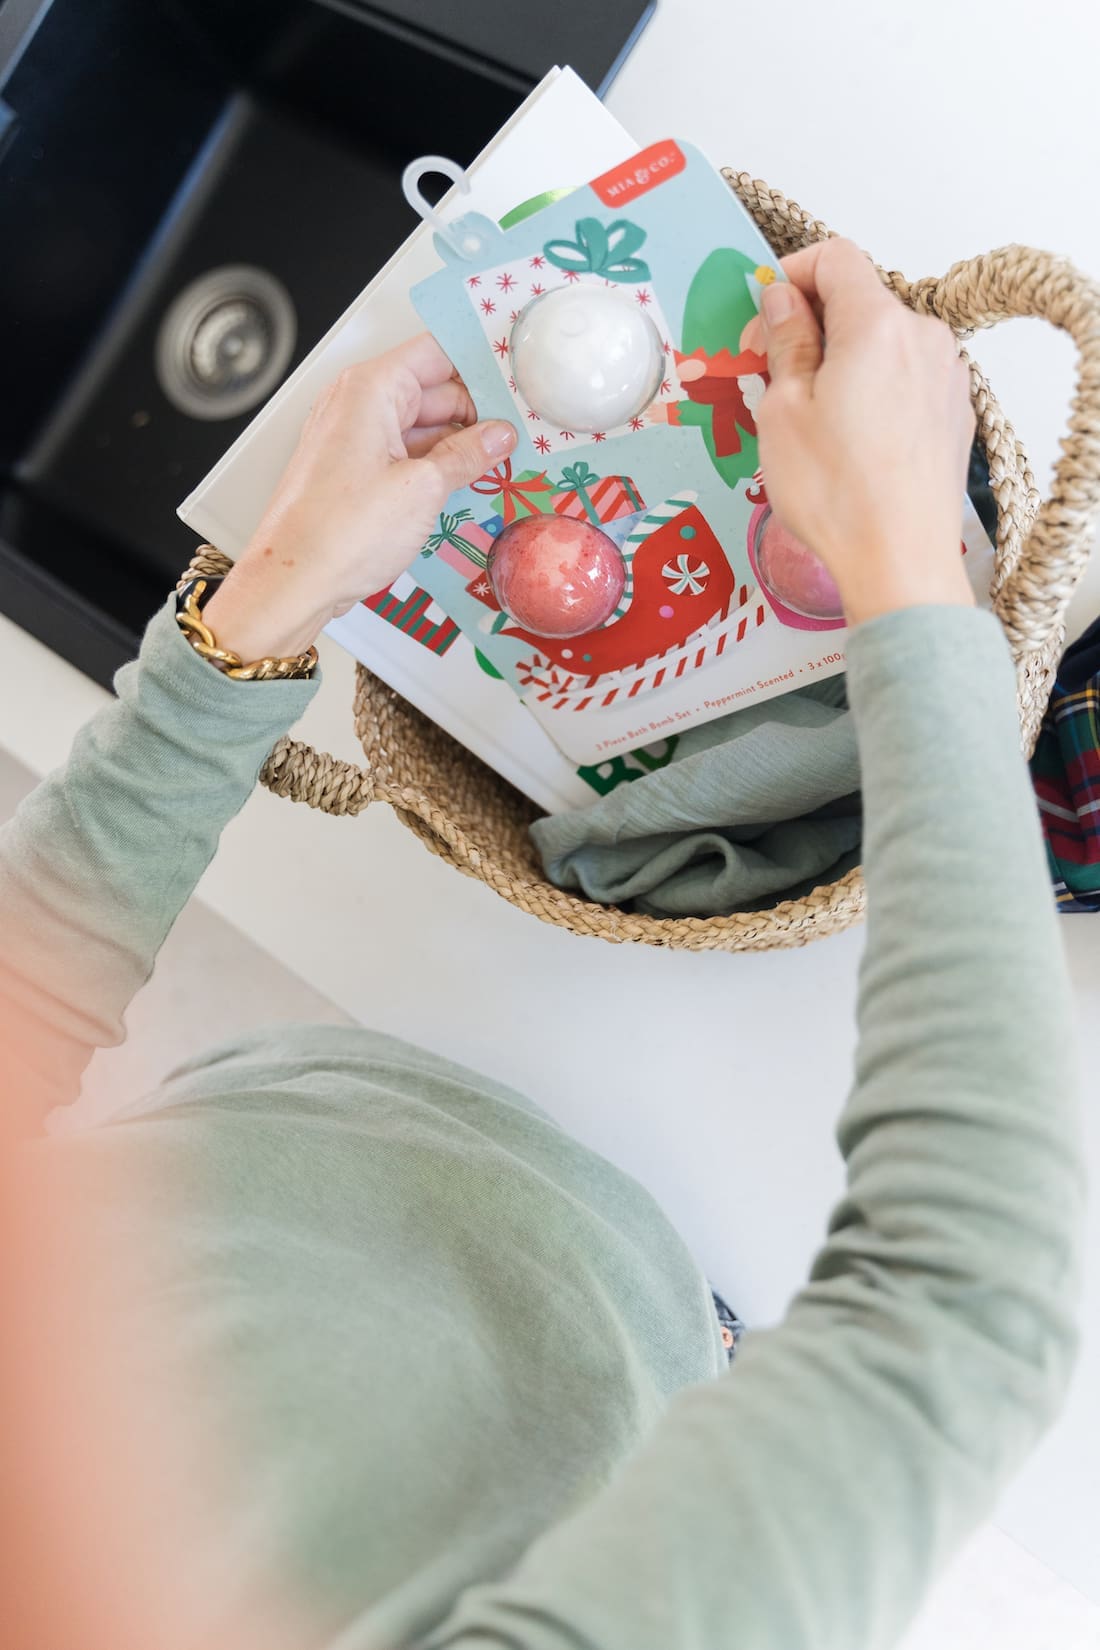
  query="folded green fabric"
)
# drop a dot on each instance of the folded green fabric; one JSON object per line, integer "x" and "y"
{"x": 756, "y": 807}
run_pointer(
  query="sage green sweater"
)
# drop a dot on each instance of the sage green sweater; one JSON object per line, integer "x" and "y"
{"x": 475, "y": 1380}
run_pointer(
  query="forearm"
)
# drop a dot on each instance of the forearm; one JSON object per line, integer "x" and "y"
{"x": 936, "y": 1336}
{"x": 98, "y": 861}
{"x": 965, "y": 1069}
{"x": 805, "y": 1501}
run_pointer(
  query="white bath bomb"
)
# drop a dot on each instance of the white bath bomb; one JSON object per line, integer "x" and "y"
{"x": 586, "y": 357}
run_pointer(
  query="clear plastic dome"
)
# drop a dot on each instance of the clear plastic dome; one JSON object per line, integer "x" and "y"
{"x": 556, "y": 576}
{"x": 586, "y": 358}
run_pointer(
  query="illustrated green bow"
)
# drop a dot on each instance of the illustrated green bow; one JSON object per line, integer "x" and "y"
{"x": 449, "y": 534}
{"x": 599, "y": 251}
{"x": 578, "y": 478}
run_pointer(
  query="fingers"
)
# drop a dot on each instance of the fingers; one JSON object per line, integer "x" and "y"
{"x": 839, "y": 281}
{"x": 752, "y": 337}
{"x": 448, "y": 403}
{"x": 405, "y": 376}
{"x": 463, "y": 455}
{"x": 411, "y": 386}
{"x": 840, "y": 278}
{"x": 792, "y": 337}
{"x": 421, "y": 440}
{"x": 423, "y": 357}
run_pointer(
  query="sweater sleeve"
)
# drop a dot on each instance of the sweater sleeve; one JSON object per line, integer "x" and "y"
{"x": 805, "y": 1500}
{"x": 98, "y": 861}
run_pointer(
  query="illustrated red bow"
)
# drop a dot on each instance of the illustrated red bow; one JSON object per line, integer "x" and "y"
{"x": 514, "y": 491}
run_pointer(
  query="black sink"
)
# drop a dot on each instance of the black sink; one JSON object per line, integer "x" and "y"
{"x": 191, "y": 191}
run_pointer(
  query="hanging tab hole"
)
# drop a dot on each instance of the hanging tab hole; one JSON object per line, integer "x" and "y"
{"x": 411, "y": 180}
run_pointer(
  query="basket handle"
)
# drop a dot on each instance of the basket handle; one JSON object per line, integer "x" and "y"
{"x": 295, "y": 770}
{"x": 1035, "y": 589}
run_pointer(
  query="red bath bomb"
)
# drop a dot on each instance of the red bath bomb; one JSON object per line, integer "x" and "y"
{"x": 556, "y": 576}
{"x": 794, "y": 575}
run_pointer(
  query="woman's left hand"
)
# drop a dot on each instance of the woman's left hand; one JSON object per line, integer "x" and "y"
{"x": 382, "y": 450}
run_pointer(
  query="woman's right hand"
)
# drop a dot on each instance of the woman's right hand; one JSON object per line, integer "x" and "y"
{"x": 865, "y": 433}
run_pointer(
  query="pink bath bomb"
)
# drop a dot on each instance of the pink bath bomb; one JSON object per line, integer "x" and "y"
{"x": 794, "y": 575}
{"x": 556, "y": 576}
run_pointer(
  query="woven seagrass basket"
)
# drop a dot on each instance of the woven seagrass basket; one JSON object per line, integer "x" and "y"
{"x": 477, "y": 823}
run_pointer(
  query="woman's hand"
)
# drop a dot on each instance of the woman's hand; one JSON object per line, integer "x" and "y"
{"x": 864, "y": 435}
{"x": 381, "y": 451}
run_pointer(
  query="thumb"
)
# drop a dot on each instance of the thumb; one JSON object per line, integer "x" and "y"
{"x": 460, "y": 458}
{"x": 792, "y": 336}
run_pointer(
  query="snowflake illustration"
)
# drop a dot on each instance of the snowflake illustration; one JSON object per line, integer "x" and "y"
{"x": 506, "y": 282}
{"x": 474, "y": 280}
{"x": 571, "y": 275}
{"x": 481, "y": 588}
{"x": 488, "y": 307}
{"x": 501, "y": 346}
{"x": 599, "y": 435}
{"x": 542, "y": 443}
{"x": 531, "y": 413}
{"x": 666, "y": 386}
{"x": 514, "y": 317}
{"x": 512, "y": 384}
{"x": 537, "y": 291}
{"x": 538, "y": 261}
{"x": 567, "y": 435}
{"x": 644, "y": 297}
{"x": 667, "y": 347}
{"x": 637, "y": 423}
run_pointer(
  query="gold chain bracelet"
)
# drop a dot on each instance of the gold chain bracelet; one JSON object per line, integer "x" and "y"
{"x": 199, "y": 634}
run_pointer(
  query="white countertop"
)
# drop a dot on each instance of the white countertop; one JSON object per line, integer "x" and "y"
{"x": 927, "y": 136}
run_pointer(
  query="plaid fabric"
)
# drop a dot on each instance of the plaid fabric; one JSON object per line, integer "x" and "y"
{"x": 731, "y": 1326}
{"x": 1066, "y": 773}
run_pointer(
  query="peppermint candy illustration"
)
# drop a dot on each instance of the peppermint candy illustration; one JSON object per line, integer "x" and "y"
{"x": 684, "y": 578}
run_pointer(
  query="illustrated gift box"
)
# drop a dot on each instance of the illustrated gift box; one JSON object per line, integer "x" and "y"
{"x": 414, "y": 611}
{"x": 463, "y": 543}
{"x": 583, "y": 494}
{"x": 527, "y": 494}
{"x": 579, "y": 492}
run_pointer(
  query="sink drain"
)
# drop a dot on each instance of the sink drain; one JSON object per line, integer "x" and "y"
{"x": 225, "y": 341}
